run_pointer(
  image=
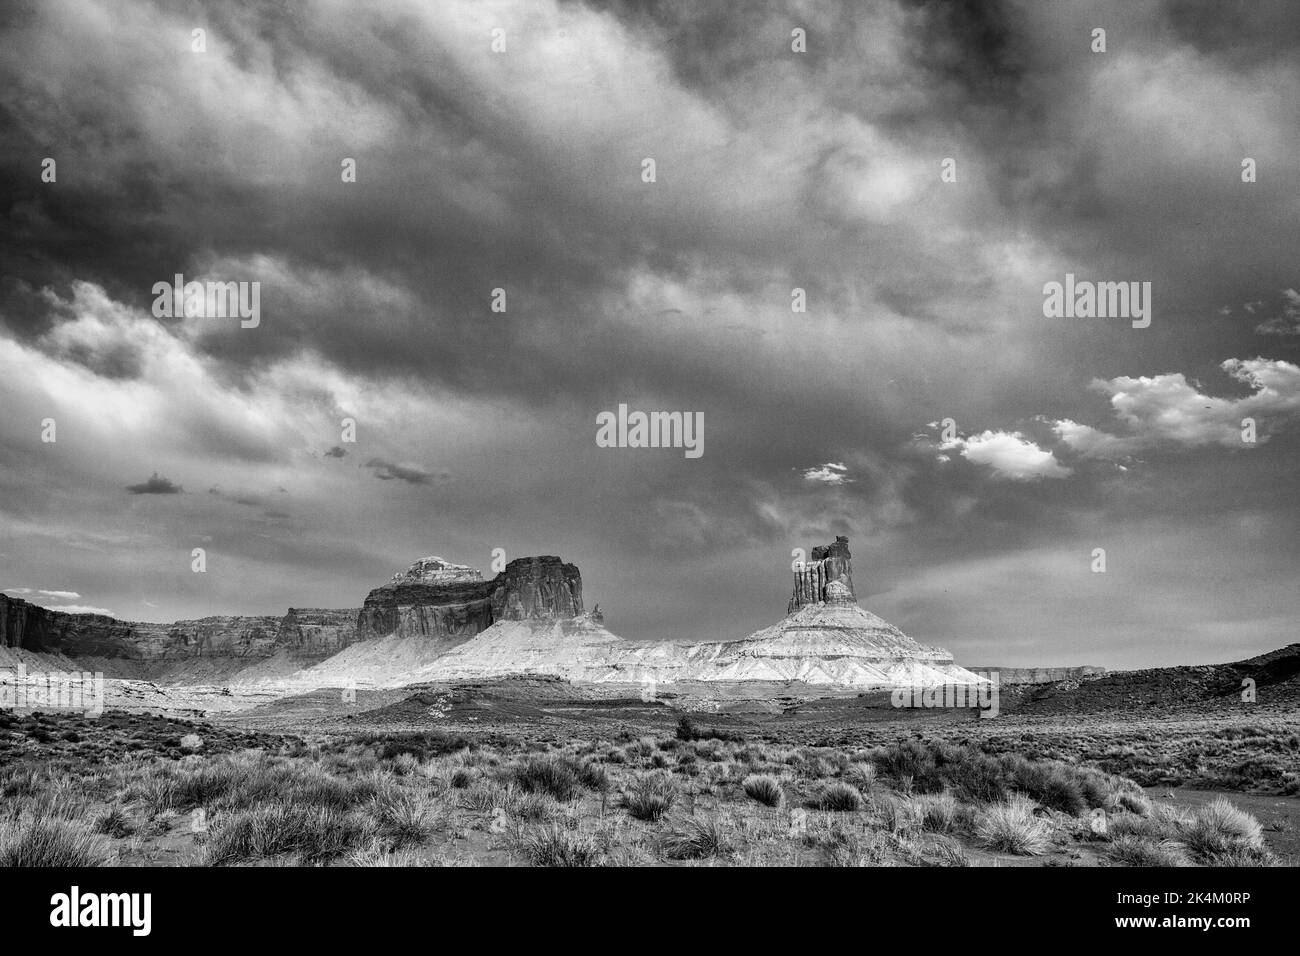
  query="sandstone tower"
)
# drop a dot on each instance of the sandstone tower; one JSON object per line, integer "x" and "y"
{"x": 829, "y": 563}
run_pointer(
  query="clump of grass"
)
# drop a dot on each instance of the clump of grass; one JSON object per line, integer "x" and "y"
{"x": 403, "y": 816}
{"x": 1011, "y": 827}
{"x": 48, "y": 842}
{"x": 764, "y": 788}
{"x": 115, "y": 823}
{"x": 861, "y": 775}
{"x": 950, "y": 852}
{"x": 315, "y": 833}
{"x": 688, "y": 729}
{"x": 461, "y": 778}
{"x": 936, "y": 811}
{"x": 1136, "y": 850}
{"x": 554, "y": 775}
{"x": 1220, "y": 828}
{"x": 420, "y": 744}
{"x": 898, "y": 816}
{"x": 843, "y": 847}
{"x": 837, "y": 796}
{"x": 535, "y": 807}
{"x": 650, "y": 797}
{"x": 555, "y": 846}
{"x": 593, "y": 776}
{"x": 697, "y": 838}
{"x": 486, "y": 796}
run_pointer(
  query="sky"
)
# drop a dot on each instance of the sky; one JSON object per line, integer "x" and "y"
{"x": 921, "y": 171}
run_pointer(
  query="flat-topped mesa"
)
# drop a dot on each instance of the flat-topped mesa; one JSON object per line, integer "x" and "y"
{"x": 453, "y": 602}
{"x": 829, "y": 563}
{"x": 434, "y": 570}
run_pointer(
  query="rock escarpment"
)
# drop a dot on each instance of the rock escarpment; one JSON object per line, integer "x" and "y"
{"x": 830, "y": 562}
{"x": 451, "y": 603}
{"x": 307, "y": 633}
{"x": 1044, "y": 675}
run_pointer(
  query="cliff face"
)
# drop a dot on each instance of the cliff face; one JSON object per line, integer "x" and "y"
{"x": 543, "y": 588}
{"x": 828, "y": 563}
{"x": 310, "y": 633}
{"x": 317, "y": 632}
{"x": 1043, "y": 675}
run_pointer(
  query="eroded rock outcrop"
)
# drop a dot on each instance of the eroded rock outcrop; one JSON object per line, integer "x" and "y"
{"x": 828, "y": 563}
{"x": 304, "y": 632}
{"x": 451, "y": 603}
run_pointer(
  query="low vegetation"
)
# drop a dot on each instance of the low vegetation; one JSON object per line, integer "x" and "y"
{"x": 691, "y": 798}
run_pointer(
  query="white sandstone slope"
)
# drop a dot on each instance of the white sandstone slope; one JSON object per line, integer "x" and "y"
{"x": 834, "y": 642}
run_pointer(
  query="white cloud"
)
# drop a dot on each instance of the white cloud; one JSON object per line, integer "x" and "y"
{"x": 831, "y": 473}
{"x": 1169, "y": 409}
{"x": 1288, "y": 321}
{"x": 81, "y": 609}
{"x": 42, "y": 594}
{"x": 1010, "y": 455}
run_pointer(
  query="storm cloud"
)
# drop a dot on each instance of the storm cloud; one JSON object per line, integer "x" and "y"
{"x": 500, "y": 272}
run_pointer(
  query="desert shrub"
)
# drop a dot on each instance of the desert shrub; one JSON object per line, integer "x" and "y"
{"x": 316, "y": 834}
{"x": 837, "y": 796}
{"x": 764, "y": 788}
{"x": 593, "y": 776}
{"x": 861, "y": 775}
{"x": 1130, "y": 824}
{"x": 535, "y": 807}
{"x": 1094, "y": 789}
{"x": 313, "y": 788}
{"x": 817, "y": 767}
{"x": 461, "y": 778}
{"x": 114, "y": 822}
{"x": 419, "y": 744}
{"x": 950, "y": 852}
{"x": 910, "y": 758}
{"x": 555, "y": 846}
{"x": 977, "y": 777}
{"x": 1134, "y": 850}
{"x": 156, "y": 791}
{"x": 1220, "y": 828}
{"x": 843, "y": 847}
{"x": 897, "y": 815}
{"x": 405, "y": 817}
{"x": 688, "y": 729}
{"x": 48, "y": 842}
{"x": 554, "y": 775}
{"x": 1011, "y": 827}
{"x": 936, "y": 811}
{"x": 19, "y": 781}
{"x": 486, "y": 796}
{"x": 1137, "y": 803}
{"x": 405, "y": 764}
{"x": 1051, "y": 784}
{"x": 697, "y": 838}
{"x": 650, "y": 797}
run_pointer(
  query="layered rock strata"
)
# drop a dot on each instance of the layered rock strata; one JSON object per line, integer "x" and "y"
{"x": 460, "y": 604}
{"x": 308, "y": 633}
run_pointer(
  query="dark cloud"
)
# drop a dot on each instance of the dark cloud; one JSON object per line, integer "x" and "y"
{"x": 776, "y": 170}
{"x": 156, "y": 485}
{"x": 411, "y": 474}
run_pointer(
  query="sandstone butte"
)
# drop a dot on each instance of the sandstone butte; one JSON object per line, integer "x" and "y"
{"x": 438, "y": 620}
